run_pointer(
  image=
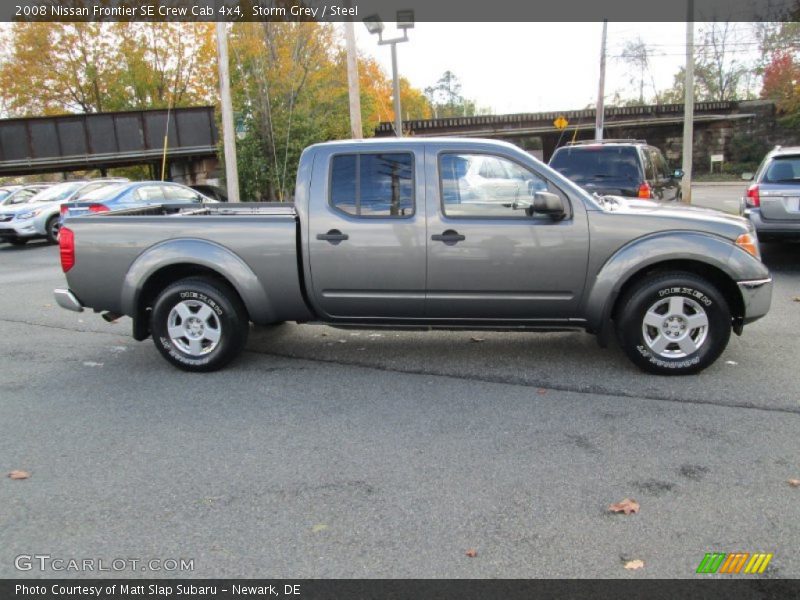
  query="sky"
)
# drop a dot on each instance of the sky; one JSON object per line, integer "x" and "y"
{"x": 530, "y": 67}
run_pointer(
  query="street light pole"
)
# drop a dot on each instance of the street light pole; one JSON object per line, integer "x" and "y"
{"x": 405, "y": 21}
{"x": 398, "y": 116}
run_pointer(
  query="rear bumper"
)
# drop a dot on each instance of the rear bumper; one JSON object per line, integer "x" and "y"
{"x": 757, "y": 296}
{"x": 66, "y": 299}
{"x": 772, "y": 228}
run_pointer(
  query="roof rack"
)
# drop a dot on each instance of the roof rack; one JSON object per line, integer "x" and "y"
{"x": 612, "y": 141}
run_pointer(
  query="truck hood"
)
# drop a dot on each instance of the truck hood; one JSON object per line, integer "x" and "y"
{"x": 678, "y": 216}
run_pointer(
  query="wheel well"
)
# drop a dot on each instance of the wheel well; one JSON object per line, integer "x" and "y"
{"x": 718, "y": 278}
{"x": 164, "y": 277}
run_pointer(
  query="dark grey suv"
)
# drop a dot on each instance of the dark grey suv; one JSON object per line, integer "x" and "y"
{"x": 618, "y": 168}
{"x": 773, "y": 199}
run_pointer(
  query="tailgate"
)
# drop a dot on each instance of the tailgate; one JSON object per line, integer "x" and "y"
{"x": 780, "y": 202}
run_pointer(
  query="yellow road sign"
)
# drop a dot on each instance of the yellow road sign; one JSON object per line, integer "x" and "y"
{"x": 560, "y": 123}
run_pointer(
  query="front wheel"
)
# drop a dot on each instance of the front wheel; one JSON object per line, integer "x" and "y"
{"x": 673, "y": 324}
{"x": 52, "y": 228}
{"x": 199, "y": 324}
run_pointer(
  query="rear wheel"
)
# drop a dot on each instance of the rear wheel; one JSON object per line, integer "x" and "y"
{"x": 199, "y": 324}
{"x": 52, "y": 228}
{"x": 673, "y": 324}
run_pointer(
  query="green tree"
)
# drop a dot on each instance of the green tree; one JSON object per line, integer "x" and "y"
{"x": 446, "y": 99}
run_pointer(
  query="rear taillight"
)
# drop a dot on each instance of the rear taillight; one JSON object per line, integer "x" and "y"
{"x": 66, "y": 243}
{"x": 753, "y": 200}
{"x": 645, "y": 191}
{"x": 96, "y": 208}
{"x": 64, "y": 209}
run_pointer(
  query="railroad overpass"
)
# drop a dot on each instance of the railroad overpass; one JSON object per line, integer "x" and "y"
{"x": 101, "y": 141}
{"x": 661, "y": 125}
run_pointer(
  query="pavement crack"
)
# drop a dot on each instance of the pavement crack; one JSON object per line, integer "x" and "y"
{"x": 59, "y": 328}
{"x": 520, "y": 382}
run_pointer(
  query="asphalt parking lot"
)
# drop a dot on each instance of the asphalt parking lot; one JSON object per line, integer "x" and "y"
{"x": 325, "y": 453}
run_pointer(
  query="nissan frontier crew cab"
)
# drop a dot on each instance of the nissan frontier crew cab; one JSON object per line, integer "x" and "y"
{"x": 423, "y": 233}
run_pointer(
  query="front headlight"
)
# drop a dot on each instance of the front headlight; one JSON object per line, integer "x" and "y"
{"x": 28, "y": 215}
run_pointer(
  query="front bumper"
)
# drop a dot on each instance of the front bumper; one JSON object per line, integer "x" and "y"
{"x": 757, "y": 296}
{"x": 66, "y": 299}
{"x": 18, "y": 229}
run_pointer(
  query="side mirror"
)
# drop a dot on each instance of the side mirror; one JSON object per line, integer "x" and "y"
{"x": 678, "y": 173}
{"x": 548, "y": 203}
{"x": 747, "y": 176}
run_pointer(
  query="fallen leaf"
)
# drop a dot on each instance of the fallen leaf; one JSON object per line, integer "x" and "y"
{"x": 796, "y": 299}
{"x": 632, "y": 565}
{"x": 323, "y": 334}
{"x": 794, "y": 482}
{"x": 627, "y": 506}
{"x": 731, "y": 362}
{"x": 541, "y": 391}
{"x": 476, "y": 339}
{"x": 19, "y": 475}
{"x": 319, "y": 527}
{"x": 472, "y": 553}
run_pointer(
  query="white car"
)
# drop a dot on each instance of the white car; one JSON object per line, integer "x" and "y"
{"x": 39, "y": 218}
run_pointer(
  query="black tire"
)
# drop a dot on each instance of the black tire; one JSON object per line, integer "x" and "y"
{"x": 677, "y": 330}
{"x": 18, "y": 241}
{"x": 227, "y": 321}
{"x": 51, "y": 229}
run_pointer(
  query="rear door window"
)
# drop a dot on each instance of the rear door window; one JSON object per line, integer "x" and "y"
{"x": 373, "y": 185}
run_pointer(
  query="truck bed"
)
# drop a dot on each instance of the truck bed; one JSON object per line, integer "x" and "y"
{"x": 111, "y": 252}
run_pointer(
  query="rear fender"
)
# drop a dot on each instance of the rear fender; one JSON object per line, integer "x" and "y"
{"x": 201, "y": 253}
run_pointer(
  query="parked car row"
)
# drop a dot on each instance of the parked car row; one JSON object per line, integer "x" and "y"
{"x": 38, "y": 210}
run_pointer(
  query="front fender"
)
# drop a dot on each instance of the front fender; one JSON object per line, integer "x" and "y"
{"x": 202, "y": 253}
{"x": 658, "y": 248}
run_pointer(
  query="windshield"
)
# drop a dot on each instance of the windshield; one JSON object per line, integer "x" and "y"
{"x": 57, "y": 192}
{"x": 4, "y": 193}
{"x": 593, "y": 162}
{"x": 103, "y": 193}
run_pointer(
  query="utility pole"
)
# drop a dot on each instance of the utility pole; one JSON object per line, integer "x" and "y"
{"x": 352, "y": 81}
{"x": 688, "y": 106}
{"x": 228, "y": 134}
{"x": 600, "y": 110}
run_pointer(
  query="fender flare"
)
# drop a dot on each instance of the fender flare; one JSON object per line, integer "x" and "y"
{"x": 191, "y": 251}
{"x": 647, "y": 251}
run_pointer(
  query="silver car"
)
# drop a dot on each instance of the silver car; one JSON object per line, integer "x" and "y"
{"x": 40, "y": 218}
{"x": 773, "y": 199}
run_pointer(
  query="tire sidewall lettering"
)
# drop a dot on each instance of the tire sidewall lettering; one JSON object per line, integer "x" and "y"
{"x": 692, "y": 293}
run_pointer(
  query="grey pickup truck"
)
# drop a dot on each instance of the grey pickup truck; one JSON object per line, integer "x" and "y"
{"x": 423, "y": 233}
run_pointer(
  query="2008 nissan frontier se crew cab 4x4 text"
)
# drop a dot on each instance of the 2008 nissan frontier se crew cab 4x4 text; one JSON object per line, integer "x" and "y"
{"x": 423, "y": 233}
